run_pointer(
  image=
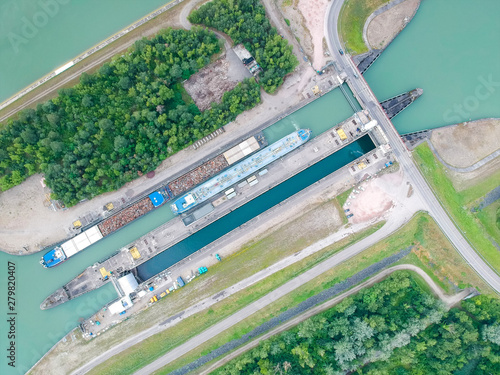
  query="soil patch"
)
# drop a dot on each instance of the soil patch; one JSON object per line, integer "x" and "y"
{"x": 210, "y": 83}
{"x": 373, "y": 198}
{"x": 386, "y": 26}
{"x": 298, "y": 25}
{"x": 314, "y": 13}
{"x": 465, "y": 144}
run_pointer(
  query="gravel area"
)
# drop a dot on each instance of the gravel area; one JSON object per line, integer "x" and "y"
{"x": 465, "y": 144}
{"x": 295, "y": 311}
{"x": 386, "y": 26}
{"x": 379, "y": 196}
{"x": 314, "y": 13}
{"x": 210, "y": 83}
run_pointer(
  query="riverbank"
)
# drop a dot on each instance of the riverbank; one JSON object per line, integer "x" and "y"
{"x": 67, "y": 75}
{"x": 381, "y": 28}
{"x": 389, "y": 18}
{"x": 25, "y": 205}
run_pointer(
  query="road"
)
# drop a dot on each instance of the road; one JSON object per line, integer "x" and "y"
{"x": 367, "y": 98}
{"x": 448, "y": 300}
{"x": 295, "y": 283}
{"x": 396, "y": 219}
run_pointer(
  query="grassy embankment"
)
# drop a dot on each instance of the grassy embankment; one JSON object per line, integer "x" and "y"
{"x": 118, "y": 47}
{"x": 249, "y": 260}
{"x": 352, "y": 19}
{"x": 433, "y": 253}
{"x": 459, "y": 203}
{"x": 252, "y": 257}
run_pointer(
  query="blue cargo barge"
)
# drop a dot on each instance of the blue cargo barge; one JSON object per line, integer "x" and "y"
{"x": 240, "y": 171}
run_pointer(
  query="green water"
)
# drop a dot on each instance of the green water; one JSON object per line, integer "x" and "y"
{"x": 38, "y": 330}
{"x": 446, "y": 50}
{"x": 450, "y": 49}
{"x": 38, "y": 36}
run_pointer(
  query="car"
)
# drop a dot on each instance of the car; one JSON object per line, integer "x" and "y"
{"x": 341, "y": 52}
{"x": 347, "y": 210}
{"x": 349, "y": 216}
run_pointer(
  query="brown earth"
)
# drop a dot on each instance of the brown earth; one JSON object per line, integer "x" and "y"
{"x": 384, "y": 27}
{"x": 465, "y": 144}
{"x": 298, "y": 24}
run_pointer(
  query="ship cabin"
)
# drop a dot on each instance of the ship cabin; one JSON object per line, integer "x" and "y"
{"x": 184, "y": 203}
{"x": 53, "y": 258}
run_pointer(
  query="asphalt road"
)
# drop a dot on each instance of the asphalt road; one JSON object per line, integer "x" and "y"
{"x": 448, "y": 300}
{"x": 364, "y": 94}
{"x": 295, "y": 283}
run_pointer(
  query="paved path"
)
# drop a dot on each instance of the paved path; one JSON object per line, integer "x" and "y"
{"x": 448, "y": 300}
{"x": 470, "y": 168}
{"x": 367, "y": 99}
{"x": 277, "y": 293}
{"x": 397, "y": 218}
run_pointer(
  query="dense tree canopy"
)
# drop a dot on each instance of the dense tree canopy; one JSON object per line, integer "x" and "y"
{"x": 366, "y": 327}
{"x": 466, "y": 338}
{"x": 245, "y": 22}
{"x": 119, "y": 122}
{"x": 392, "y": 328}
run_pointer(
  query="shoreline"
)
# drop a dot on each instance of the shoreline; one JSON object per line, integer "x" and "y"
{"x": 97, "y": 47}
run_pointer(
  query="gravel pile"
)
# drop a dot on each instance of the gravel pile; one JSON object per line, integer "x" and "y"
{"x": 299, "y": 309}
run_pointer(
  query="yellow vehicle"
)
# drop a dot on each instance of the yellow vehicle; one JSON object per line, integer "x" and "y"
{"x": 163, "y": 294}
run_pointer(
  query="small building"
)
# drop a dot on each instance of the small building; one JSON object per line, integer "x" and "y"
{"x": 135, "y": 253}
{"x": 128, "y": 284}
{"x": 121, "y": 305}
{"x": 369, "y": 126}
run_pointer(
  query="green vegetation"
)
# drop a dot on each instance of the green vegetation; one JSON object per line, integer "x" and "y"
{"x": 432, "y": 253}
{"x": 119, "y": 122}
{"x": 352, "y": 19}
{"x": 467, "y": 337}
{"x": 366, "y": 327}
{"x": 395, "y": 326}
{"x": 245, "y": 22}
{"x": 246, "y": 262}
{"x": 490, "y": 219}
{"x": 458, "y": 203}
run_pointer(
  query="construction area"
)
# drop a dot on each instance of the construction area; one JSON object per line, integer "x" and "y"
{"x": 210, "y": 83}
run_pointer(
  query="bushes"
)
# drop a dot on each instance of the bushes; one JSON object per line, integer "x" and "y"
{"x": 121, "y": 121}
{"x": 244, "y": 21}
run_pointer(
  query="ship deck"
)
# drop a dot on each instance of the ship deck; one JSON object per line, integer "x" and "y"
{"x": 175, "y": 231}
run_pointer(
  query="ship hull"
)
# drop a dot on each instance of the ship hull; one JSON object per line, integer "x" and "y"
{"x": 240, "y": 171}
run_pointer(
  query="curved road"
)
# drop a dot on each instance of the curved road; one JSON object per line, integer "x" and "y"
{"x": 367, "y": 99}
{"x": 448, "y": 300}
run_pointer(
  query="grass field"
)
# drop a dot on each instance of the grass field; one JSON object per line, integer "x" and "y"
{"x": 433, "y": 253}
{"x": 141, "y": 354}
{"x": 352, "y": 20}
{"x": 488, "y": 217}
{"x": 458, "y": 203}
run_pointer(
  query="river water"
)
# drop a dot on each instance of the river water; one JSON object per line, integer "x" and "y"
{"x": 38, "y": 36}
{"x": 451, "y": 52}
{"x": 37, "y": 331}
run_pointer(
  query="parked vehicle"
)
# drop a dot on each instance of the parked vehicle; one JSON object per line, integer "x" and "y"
{"x": 180, "y": 282}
